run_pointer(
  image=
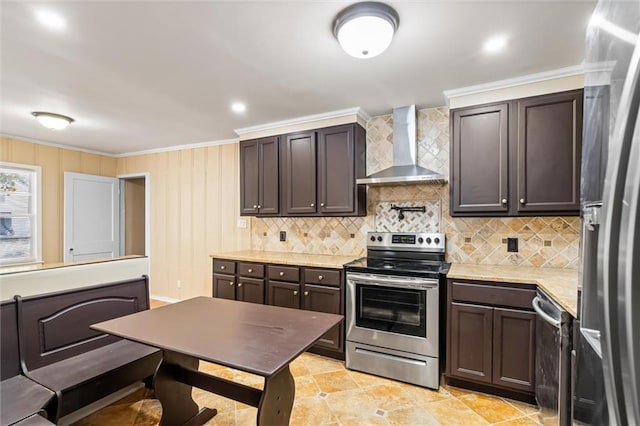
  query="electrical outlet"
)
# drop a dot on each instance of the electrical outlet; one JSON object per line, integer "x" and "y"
{"x": 283, "y": 235}
{"x": 512, "y": 245}
{"x": 178, "y": 284}
{"x": 242, "y": 223}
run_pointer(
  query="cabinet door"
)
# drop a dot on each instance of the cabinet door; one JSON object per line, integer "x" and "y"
{"x": 249, "y": 172}
{"x": 336, "y": 170}
{"x": 471, "y": 338}
{"x": 269, "y": 182}
{"x": 224, "y": 286}
{"x": 250, "y": 290}
{"x": 300, "y": 173}
{"x": 549, "y": 147}
{"x": 514, "y": 349}
{"x": 480, "y": 159}
{"x": 325, "y": 299}
{"x": 282, "y": 294}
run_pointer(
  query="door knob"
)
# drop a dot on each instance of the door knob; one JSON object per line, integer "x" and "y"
{"x": 521, "y": 200}
{"x": 504, "y": 201}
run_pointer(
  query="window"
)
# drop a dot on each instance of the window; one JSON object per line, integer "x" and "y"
{"x": 19, "y": 214}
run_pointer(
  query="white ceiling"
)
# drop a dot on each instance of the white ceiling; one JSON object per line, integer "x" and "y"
{"x": 145, "y": 75}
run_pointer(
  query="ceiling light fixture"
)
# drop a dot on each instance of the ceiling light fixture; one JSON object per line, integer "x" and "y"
{"x": 365, "y": 30}
{"x": 52, "y": 121}
{"x": 51, "y": 19}
{"x": 495, "y": 44}
{"x": 238, "y": 107}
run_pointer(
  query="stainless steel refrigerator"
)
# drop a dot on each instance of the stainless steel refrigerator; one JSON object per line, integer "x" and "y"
{"x": 606, "y": 387}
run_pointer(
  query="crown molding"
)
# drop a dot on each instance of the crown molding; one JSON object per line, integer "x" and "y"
{"x": 57, "y": 145}
{"x": 306, "y": 119}
{"x": 516, "y": 81}
{"x": 178, "y": 147}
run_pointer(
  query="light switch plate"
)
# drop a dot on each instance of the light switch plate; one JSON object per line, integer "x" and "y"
{"x": 242, "y": 223}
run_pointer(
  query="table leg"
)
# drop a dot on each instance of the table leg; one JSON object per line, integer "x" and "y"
{"x": 277, "y": 399}
{"x": 178, "y": 407}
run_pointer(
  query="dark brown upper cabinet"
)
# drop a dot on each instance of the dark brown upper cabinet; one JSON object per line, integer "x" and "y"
{"x": 259, "y": 177}
{"x": 319, "y": 171}
{"x": 299, "y": 177}
{"x": 549, "y": 147}
{"x": 517, "y": 158}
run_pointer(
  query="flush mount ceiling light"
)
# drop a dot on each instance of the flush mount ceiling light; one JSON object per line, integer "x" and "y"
{"x": 52, "y": 121}
{"x": 51, "y": 20}
{"x": 365, "y": 30}
{"x": 238, "y": 107}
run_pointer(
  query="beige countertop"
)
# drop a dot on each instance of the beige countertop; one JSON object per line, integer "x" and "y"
{"x": 52, "y": 265}
{"x": 560, "y": 284}
{"x": 286, "y": 258}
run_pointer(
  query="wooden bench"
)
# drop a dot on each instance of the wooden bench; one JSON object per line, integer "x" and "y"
{"x": 22, "y": 401}
{"x": 60, "y": 351}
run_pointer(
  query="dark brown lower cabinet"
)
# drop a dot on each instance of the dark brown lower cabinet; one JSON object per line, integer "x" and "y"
{"x": 471, "y": 342}
{"x": 491, "y": 337}
{"x": 224, "y": 286}
{"x": 514, "y": 334}
{"x": 283, "y": 294}
{"x": 325, "y": 299}
{"x": 250, "y": 290}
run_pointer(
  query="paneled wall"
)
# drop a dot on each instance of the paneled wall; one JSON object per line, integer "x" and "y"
{"x": 194, "y": 209}
{"x": 54, "y": 162}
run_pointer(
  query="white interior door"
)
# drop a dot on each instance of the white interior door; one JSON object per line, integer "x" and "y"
{"x": 91, "y": 217}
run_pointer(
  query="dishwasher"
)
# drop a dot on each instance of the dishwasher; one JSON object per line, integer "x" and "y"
{"x": 553, "y": 361}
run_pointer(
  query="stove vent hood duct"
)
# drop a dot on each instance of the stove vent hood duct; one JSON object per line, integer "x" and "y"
{"x": 405, "y": 169}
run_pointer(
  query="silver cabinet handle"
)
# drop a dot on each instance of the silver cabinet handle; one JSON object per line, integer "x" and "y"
{"x": 313, "y": 205}
{"x": 306, "y": 293}
{"x": 321, "y": 204}
{"x": 255, "y": 206}
{"x": 320, "y": 277}
{"x": 295, "y": 292}
{"x": 223, "y": 267}
{"x": 249, "y": 270}
{"x": 230, "y": 282}
{"x": 259, "y": 206}
{"x": 281, "y": 274}
{"x": 504, "y": 201}
{"x": 239, "y": 284}
{"x": 521, "y": 200}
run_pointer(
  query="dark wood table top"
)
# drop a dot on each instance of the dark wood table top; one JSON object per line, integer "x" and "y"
{"x": 258, "y": 339}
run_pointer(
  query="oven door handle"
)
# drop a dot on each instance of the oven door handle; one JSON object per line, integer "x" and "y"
{"x": 382, "y": 281}
{"x": 545, "y": 316}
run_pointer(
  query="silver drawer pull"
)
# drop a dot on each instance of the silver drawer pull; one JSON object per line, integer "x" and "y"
{"x": 255, "y": 206}
{"x": 313, "y": 205}
{"x": 281, "y": 274}
{"x": 249, "y": 270}
{"x": 306, "y": 293}
{"x": 504, "y": 201}
{"x": 295, "y": 292}
{"x": 320, "y": 277}
{"x": 239, "y": 284}
{"x": 521, "y": 200}
{"x": 230, "y": 282}
{"x": 222, "y": 267}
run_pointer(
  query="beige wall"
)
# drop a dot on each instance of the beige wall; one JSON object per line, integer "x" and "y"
{"x": 194, "y": 210}
{"x": 134, "y": 216}
{"x": 54, "y": 162}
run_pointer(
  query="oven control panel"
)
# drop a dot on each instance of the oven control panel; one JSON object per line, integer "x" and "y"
{"x": 413, "y": 241}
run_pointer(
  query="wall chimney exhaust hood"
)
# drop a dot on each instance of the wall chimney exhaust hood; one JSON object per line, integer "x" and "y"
{"x": 405, "y": 169}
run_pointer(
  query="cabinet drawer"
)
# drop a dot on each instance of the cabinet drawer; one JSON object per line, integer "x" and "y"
{"x": 224, "y": 266}
{"x": 251, "y": 270}
{"x": 322, "y": 276}
{"x": 485, "y": 293}
{"x": 284, "y": 273}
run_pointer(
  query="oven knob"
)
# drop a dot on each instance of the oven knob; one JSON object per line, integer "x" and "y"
{"x": 428, "y": 240}
{"x": 437, "y": 240}
{"x": 379, "y": 238}
{"x": 420, "y": 240}
{"x": 373, "y": 238}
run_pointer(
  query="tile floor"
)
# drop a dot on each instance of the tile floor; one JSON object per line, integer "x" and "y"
{"x": 329, "y": 394}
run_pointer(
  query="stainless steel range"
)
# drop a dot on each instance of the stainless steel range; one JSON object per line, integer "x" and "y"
{"x": 393, "y": 307}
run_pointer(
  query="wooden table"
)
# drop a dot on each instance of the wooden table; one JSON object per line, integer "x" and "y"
{"x": 258, "y": 339}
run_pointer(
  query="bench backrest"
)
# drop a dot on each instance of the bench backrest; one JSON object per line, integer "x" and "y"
{"x": 9, "y": 352}
{"x": 55, "y": 326}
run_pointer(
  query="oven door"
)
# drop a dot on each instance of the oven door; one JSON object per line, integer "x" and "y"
{"x": 393, "y": 312}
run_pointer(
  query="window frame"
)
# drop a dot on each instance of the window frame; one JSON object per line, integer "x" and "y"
{"x": 36, "y": 209}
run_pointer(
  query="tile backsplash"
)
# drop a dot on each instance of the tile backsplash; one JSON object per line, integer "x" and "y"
{"x": 543, "y": 241}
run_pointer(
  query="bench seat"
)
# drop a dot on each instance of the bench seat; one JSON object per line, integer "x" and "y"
{"x": 21, "y": 398}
